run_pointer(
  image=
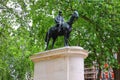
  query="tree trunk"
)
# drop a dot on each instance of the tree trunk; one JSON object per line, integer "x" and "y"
{"x": 117, "y": 71}
{"x": 99, "y": 74}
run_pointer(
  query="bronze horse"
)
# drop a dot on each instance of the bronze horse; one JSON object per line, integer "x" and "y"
{"x": 65, "y": 31}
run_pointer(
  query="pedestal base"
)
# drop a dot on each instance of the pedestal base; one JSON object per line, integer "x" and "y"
{"x": 60, "y": 64}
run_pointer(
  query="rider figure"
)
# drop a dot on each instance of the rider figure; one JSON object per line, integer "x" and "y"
{"x": 59, "y": 21}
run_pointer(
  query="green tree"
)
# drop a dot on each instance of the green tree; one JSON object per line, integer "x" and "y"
{"x": 14, "y": 41}
{"x": 23, "y": 26}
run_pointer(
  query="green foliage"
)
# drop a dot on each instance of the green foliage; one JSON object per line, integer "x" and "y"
{"x": 22, "y": 32}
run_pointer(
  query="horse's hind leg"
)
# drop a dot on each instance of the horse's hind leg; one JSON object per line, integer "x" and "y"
{"x": 54, "y": 39}
{"x": 47, "y": 43}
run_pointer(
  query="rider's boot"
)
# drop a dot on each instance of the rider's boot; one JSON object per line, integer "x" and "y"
{"x": 59, "y": 29}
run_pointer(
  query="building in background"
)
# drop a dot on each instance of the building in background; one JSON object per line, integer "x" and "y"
{"x": 106, "y": 73}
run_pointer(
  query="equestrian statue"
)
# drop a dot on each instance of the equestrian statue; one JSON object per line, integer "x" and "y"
{"x": 60, "y": 29}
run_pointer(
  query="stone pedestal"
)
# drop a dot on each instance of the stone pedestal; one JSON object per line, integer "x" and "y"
{"x": 65, "y": 63}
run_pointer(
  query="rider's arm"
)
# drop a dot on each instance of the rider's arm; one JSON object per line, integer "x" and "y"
{"x": 57, "y": 19}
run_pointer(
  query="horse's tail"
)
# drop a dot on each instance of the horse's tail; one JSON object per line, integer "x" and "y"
{"x": 46, "y": 37}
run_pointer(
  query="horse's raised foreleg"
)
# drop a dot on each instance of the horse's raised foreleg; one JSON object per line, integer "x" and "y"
{"x": 66, "y": 40}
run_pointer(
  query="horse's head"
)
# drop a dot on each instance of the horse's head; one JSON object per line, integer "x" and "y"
{"x": 75, "y": 14}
